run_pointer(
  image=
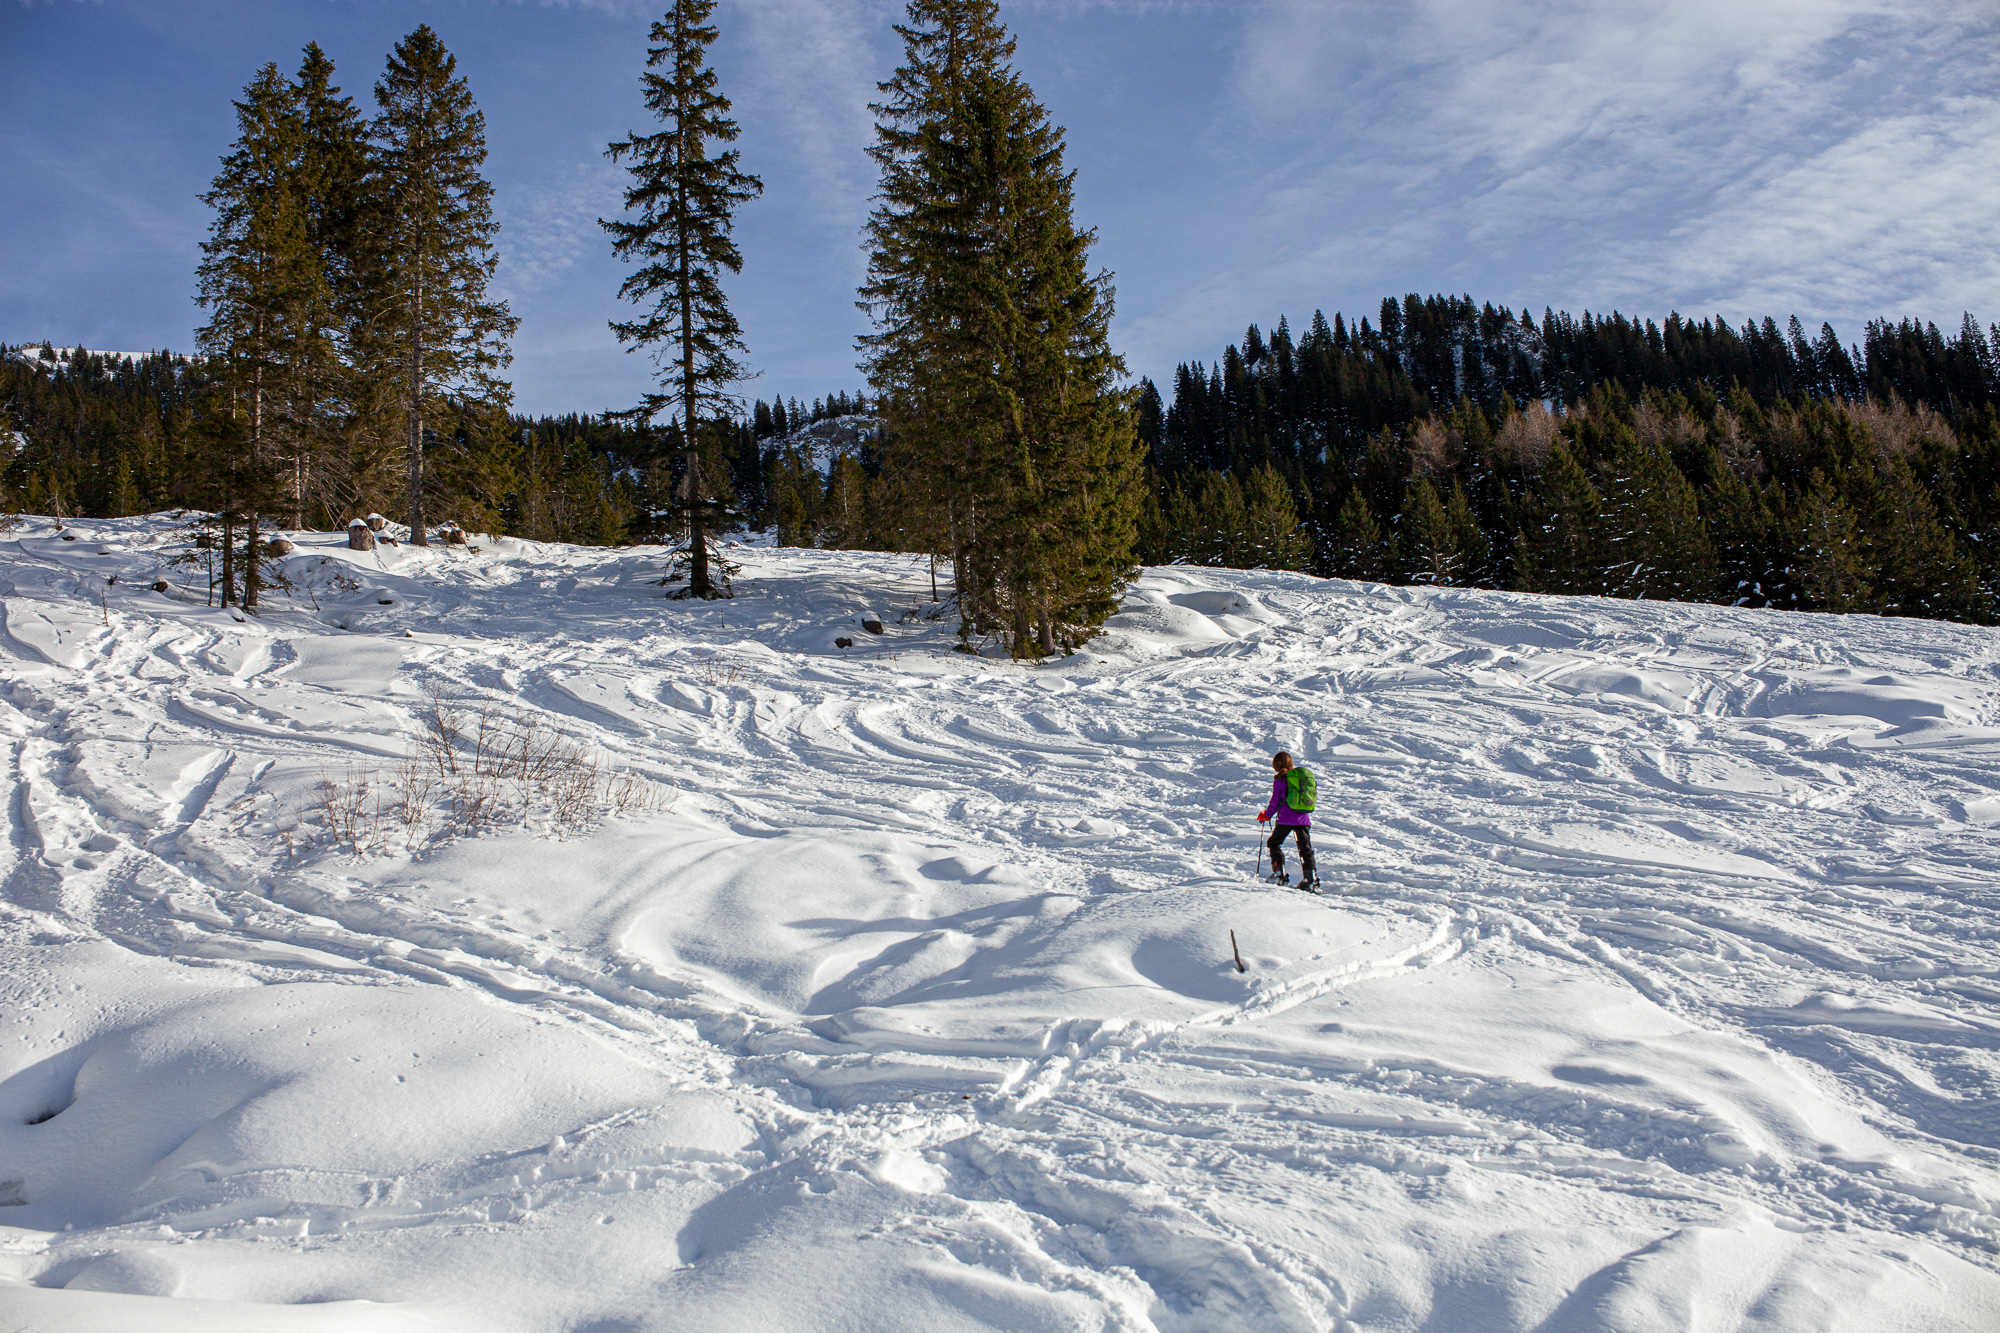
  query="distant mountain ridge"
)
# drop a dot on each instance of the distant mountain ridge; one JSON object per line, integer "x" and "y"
{"x": 32, "y": 352}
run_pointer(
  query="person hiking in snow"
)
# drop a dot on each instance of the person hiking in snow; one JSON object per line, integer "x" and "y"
{"x": 1293, "y": 795}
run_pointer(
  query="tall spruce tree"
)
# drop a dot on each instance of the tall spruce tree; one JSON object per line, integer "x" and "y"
{"x": 991, "y": 358}
{"x": 266, "y": 285}
{"x": 430, "y": 331}
{"x": 1474, "y": 549}
{"x": 685, "y": 198}
{"x": 1360, "y": 551}
{"x": 332, "y": 171}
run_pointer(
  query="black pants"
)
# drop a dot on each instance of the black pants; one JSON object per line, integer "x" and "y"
{"x": 1276, "y": 844}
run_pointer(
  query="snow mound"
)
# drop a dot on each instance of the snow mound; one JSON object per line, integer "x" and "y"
{"x": 889, "y": 987}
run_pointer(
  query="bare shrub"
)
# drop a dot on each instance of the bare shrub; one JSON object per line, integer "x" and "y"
{"x": 719, "y": 672}
{"x": 572, "y": 793}
{"x": 348, "y": 808}
{"x": 1526, "y": 438}
{"x": 1896, "y": 427}
{"x": 629, "y": 794}
{"x": 1431, "y": 449}
{"x": 439, "y": 723}
{"x": 472, "y": 768}
{"x": 1671, "y": 431}
{"x": 418, "y": 786}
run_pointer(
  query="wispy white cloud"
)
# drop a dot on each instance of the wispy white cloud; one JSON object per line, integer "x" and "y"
{"x": 1834, "y": 157}
{"x": 812, "y": 72}
{"x": 548, "y": 227}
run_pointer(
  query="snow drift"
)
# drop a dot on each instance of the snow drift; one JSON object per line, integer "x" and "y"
{"x": 1657, "y": 990}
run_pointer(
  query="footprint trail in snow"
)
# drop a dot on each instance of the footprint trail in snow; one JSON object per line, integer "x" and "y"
{"x": 1658, "y": 985}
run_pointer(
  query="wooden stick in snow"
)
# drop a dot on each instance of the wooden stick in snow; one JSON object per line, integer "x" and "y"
{"x": 1238, "y": 952}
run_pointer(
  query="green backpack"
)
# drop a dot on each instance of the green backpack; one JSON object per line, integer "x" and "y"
{"x": 1301, "y": 792}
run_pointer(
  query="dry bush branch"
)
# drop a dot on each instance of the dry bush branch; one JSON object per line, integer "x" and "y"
{"x": 344, "y": 809}
{"x": 470, "y": 770}
{"x": 720, "y": 672}
{"x": 629, "y": 794}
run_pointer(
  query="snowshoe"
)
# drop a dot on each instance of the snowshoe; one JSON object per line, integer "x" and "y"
{"x": 1311, "y": 884}
{"x": 1278, "y": 877}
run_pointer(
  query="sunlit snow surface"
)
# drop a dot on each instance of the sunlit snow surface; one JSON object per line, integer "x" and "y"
{"x": 1660, "y": 987}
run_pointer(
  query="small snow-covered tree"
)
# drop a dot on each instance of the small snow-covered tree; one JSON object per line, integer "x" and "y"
{"x": 1833, "y": 567}
{"x": 1658, "y": 544}
{"x": 1429, "y": 538}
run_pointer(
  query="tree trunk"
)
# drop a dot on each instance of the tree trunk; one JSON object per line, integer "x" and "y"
{"x": 1048, "y": 632}
{"x": 250, "y": 563}
{"x": 957, "y": 564}
{"x": 256, "y": 454}
{"x": 416, "y": 459}
{"x": 228, "y": 558}
{"x": 698, "y": 584}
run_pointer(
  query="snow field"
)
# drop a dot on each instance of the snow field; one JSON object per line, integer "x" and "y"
{"x": 1658, "y": 988}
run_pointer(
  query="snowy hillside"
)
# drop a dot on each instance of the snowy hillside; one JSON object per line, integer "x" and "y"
{"x": 824, "y": 443}
{"x": 49, "y": 354}
{"x": 883, "y": 988}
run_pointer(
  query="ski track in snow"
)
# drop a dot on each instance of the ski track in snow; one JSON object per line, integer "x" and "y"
{"x": 1656, "y": 987}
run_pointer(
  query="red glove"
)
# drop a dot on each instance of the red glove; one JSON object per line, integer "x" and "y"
{"x": 1263, "y": 815}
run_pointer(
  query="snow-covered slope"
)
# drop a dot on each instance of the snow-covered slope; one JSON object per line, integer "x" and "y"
{"x": 1660, "y": 990}
{"x": 824, "y": 443}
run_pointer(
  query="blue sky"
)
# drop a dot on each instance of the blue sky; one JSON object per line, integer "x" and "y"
{"x": 1838, "y": 159}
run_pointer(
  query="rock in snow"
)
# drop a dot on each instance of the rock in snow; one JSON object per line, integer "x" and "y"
{"x": 892, "y": 989}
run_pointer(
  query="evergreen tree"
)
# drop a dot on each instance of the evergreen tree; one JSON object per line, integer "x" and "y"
{"x": 847, "y": 505}
{"x": 991, "y": 357}
{"x": 1160, "y": 531}
{"x": 430, "y": 332}
{"x": 1919, "y": 568}
{"x": 1658, "y": 544}
{"x": 1360, "y": 549}
{"x": 796, "y": 498}
{"x": 1216, "y": 523}
{"x": 1562, "y": 541}
{"x": 685, "y": 199}
{"x": 1430, "y": 539}
{"x": 1273, "y": 536}
{"x": 266, "y": 285}
{"x": 124, "y": 500}
{"x": 1475, "y": 552}
{"x": 332, "y": 402}
{"x": 1740, "y": 532}
{"x": 1832, "y": 567}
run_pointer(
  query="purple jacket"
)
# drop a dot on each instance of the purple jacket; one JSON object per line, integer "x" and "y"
{"x": 1285, "y": 813}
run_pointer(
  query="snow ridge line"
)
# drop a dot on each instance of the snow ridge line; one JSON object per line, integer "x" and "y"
{"x": 1074, "y": 1043}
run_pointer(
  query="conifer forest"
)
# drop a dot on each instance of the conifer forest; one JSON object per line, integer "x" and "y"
{"x": 353, "y": 362}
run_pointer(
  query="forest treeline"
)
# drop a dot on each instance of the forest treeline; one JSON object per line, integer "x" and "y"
{"x": 353, "y": 362}
{"x": 1454, "y": 443}
{"x": 90, "y": 435}
{"x": 1687, "y": 460}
